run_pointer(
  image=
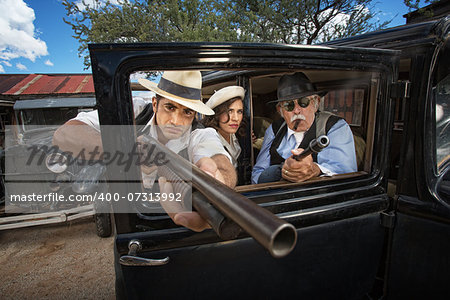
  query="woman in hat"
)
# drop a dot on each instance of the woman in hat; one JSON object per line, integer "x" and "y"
{"x": 228, "y": 106}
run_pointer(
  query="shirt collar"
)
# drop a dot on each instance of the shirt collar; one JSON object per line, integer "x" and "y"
{"x": 298, "y": 135}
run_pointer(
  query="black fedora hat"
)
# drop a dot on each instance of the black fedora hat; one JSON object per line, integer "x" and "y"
{"x": 295, "y": 86}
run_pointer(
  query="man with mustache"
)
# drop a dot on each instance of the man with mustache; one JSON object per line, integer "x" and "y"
{"x": 298, "y": 103}
{"x": 173, "y": 123}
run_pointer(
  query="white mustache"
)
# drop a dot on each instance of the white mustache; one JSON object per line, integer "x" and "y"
{"x": 298, "y": 117}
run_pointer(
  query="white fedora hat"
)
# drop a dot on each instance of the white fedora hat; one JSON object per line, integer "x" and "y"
{"x": 182, "y": 87}
{"x": 225, "y": 94}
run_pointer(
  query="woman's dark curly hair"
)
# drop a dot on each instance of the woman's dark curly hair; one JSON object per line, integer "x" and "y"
{"x": 213, "y": 120}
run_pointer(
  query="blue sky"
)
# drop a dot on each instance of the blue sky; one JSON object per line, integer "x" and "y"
{"x": 35, "y": 39}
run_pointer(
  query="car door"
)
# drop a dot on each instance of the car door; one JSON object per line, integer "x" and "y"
{"x": 340, "y": 220}
{"x": 419, "y": 263}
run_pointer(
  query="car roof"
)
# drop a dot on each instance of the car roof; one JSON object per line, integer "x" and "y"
{"x": 400, "y": 37}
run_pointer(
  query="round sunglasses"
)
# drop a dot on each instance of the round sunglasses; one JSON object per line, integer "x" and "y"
{"x": 290, "y": 105}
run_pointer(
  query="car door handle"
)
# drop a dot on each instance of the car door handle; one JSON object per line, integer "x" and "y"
{"x": 132, "y": 260}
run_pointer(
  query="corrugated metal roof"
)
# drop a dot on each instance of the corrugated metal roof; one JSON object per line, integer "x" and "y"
{"x": 46, "y": 84}
{"x": 7, "y": 81}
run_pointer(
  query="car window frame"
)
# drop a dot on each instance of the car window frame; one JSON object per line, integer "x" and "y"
{"x": 434, "y": 173}
{"x": 113, "y": 87}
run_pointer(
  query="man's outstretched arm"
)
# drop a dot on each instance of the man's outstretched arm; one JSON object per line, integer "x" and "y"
{"x": 75, "y": 136}
{"x": 226, "y": 170}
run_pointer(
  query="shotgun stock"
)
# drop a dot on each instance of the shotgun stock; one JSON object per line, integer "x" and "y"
{"x": 274, "y": 234}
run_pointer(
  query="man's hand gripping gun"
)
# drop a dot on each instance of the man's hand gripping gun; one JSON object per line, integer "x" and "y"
{"x": 273, "y": 173}
{"x": 315, "y": 146}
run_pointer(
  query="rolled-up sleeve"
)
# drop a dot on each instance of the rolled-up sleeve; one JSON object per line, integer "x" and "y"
{"x": 339, "y": 157}
{"x": 89, "y": 118}
{"x": 205, "y": 142}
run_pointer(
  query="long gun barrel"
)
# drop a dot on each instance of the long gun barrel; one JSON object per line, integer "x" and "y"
{"x": 315, "y": 146}
{"x": 225, "y": 228}
{"x": 276, "y": 235}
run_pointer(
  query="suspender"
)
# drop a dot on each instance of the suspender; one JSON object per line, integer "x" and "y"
{"x": 279, "y": 127}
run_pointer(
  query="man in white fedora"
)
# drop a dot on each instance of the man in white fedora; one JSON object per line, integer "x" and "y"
{"x": 177, "y": 100}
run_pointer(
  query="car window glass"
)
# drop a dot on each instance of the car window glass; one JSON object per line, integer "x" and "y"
{"x": 442, "y": 96}
{"x": 441, "y": 120}
{"x": 350, "y": 95}
{"x": 55, "y": 116}
{"x": 346, "y": 103}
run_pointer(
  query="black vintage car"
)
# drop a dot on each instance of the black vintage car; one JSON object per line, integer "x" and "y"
{"x": 35, "y": 122}
{"x": 383, "y": 231}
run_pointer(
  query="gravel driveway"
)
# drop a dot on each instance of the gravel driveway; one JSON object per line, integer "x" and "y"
{"x": 64, "y": 261}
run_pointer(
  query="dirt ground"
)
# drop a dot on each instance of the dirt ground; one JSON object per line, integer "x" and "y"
{"x": 63, "y": 261}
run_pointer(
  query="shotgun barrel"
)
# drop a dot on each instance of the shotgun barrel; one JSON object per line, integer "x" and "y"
{"x": 273, "y": 233}
{"x": 225, "y": 228}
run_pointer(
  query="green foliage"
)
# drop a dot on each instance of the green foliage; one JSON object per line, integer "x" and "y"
{"x": 104, "y": 22}
{"x": 303, "y": 22}
{"x": 413, "y": 5}
{"x": 274, "y": 21}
